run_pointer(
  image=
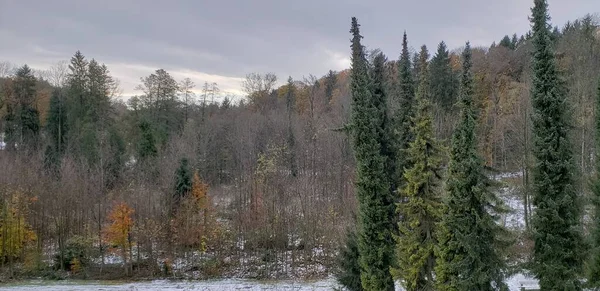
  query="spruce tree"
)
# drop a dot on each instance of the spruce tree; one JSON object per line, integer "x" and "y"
{"x": 183, "y": 180}
{"x": 403, "y": 117}
{"x": 375, "y": 223}
{"x": 422, "y": 207}
{"x": 330, "y": 81}
{"x": 558, "y": 243}
{"x": 25, "y": 114}
{"x": 56, "y": 121}
{"x": 290, "y": 99}
{"x": 348, "y": 274}
{"x": 471, "y": 241}
{"x": 444, "y": 89}
{"x": 593, "y": 270}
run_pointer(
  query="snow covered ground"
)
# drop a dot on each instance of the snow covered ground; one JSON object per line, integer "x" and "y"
{"x": 225, "y": 285}
{"x": 514, "y": 283}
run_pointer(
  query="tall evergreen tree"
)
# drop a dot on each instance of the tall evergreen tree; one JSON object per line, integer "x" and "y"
{"x": 558, "y": 251}
{"x": 25, "y": 117}
{"x": 290, "y": 100}
{"x": 147, "y": 143}
{"x": 471, "y": 241}
{"x": 404, "y": 113}
{"x": 348, "y": 274}
{"x": 444, "y": 89}
{"x": 330, "y": 81}
{"x": 183, "y": 180}
{"x": 56, "y": 121}
{"x": 593, "y": 270}
{"x": 374, "y": 238}
{"x": 422, "y": 207}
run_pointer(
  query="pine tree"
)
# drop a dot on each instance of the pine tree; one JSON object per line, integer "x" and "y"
{"x": 471, "y": 242}
{"x": 290, "y": 100}
{"x": 422, "y": 207}
{"x": 147, "y": 143}
{"x": 56, "y": 122}
{"x": 444, "y": 89}
{"x": 505, "y": 42}
{"x": 593, "y": 270}
{"x": 348, "y": 274}
{"x": 183, "y": 180}
{"x": 375, "y": 225}
{"x": 330, "y": 81}
{"x": 25, "y": 115}
{"x": 404, "y": 113}
{"x": 558, "y": 243}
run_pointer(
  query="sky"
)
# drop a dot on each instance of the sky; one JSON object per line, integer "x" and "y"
{"x": 222, "y": 41}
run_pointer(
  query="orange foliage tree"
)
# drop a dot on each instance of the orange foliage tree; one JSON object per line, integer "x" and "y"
{"x": 118, "y": 232}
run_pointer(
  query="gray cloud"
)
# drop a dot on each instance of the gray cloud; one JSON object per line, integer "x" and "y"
{"x": 221, "y": 41}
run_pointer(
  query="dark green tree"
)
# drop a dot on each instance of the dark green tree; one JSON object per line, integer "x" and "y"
{"x": 444, "y": 84}
{"x": 56, "y": 121}
{"x": 505, "y": 42}
{"x": 290, "y": 100}
{"x": 147, "y": 143}
{"x": 558, "y": 242}
{"x": 348, "y": 273}
{"x": 472, "y": 243}
{"x": 593, "y": 269}
{"x": 183, "y": 180}
{"x": 330, "y": 82}
{"x": 23, "y": 114}
{"x": 404, "y": 113}
{"x": 421, "y": 209}
{"x": 375, "y": 225}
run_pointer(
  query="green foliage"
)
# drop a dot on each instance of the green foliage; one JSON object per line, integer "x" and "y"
{"x": 56, "y": 122}
{"x": 22, "y": 118}
{"x": 472, "y": 243}
{"x": 421, "y": 208}
{"x": 290, "y": 100}
{"x": 147, "y": 142}
{"x": 183, "y": 180}
{"x": 348, "y": 274}
{"x": 330, "y": 82}
{"x": 78, "y": 249}
{"x": 593, "y": 266}
{"x": 559, "y": 249}
{"x": 375, "y": 223}
{"x": 444, "y": 89}
{"x": 403, "y": 117}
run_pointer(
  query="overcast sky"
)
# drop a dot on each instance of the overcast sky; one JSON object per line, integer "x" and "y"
{"x": 222, "y": 41}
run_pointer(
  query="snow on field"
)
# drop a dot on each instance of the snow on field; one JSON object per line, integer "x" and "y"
{"x": 225, "y": 285}
{"x": 514, "y": 283}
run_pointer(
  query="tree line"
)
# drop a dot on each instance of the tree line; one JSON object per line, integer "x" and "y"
{"x": 370, "y": 168}
{"x": 429, "y": 215}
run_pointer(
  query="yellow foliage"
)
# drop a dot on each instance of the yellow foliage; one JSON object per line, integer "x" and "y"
{"x": 15, "y": 232}
{"x": 118, "y": 231}
{"x": 200, "y": 192}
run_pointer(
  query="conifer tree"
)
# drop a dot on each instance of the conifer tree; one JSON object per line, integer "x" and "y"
{"x": 558, "y": 244}
{"x": 330, "y": 81}
{"x": 290, "y": 100}
{"x": 444, "y": 89}
{"x": 24, "y": 116}
{"x": 593, "y": 270}
{"x": 421, "y": 209}
{"x": 471, "y": 242}
{"x": 404, "y": 113}
{"x": 56, "y": 122}
{"x": 348, "y": 274}
{"x": 183, "y": 180}
{"x": 375, "y": 224}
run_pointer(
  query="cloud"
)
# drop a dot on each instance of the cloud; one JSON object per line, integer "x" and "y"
{"x": 222, "y": 41}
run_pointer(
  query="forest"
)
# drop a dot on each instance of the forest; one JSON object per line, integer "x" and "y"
{"x": 402, "y": 168}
